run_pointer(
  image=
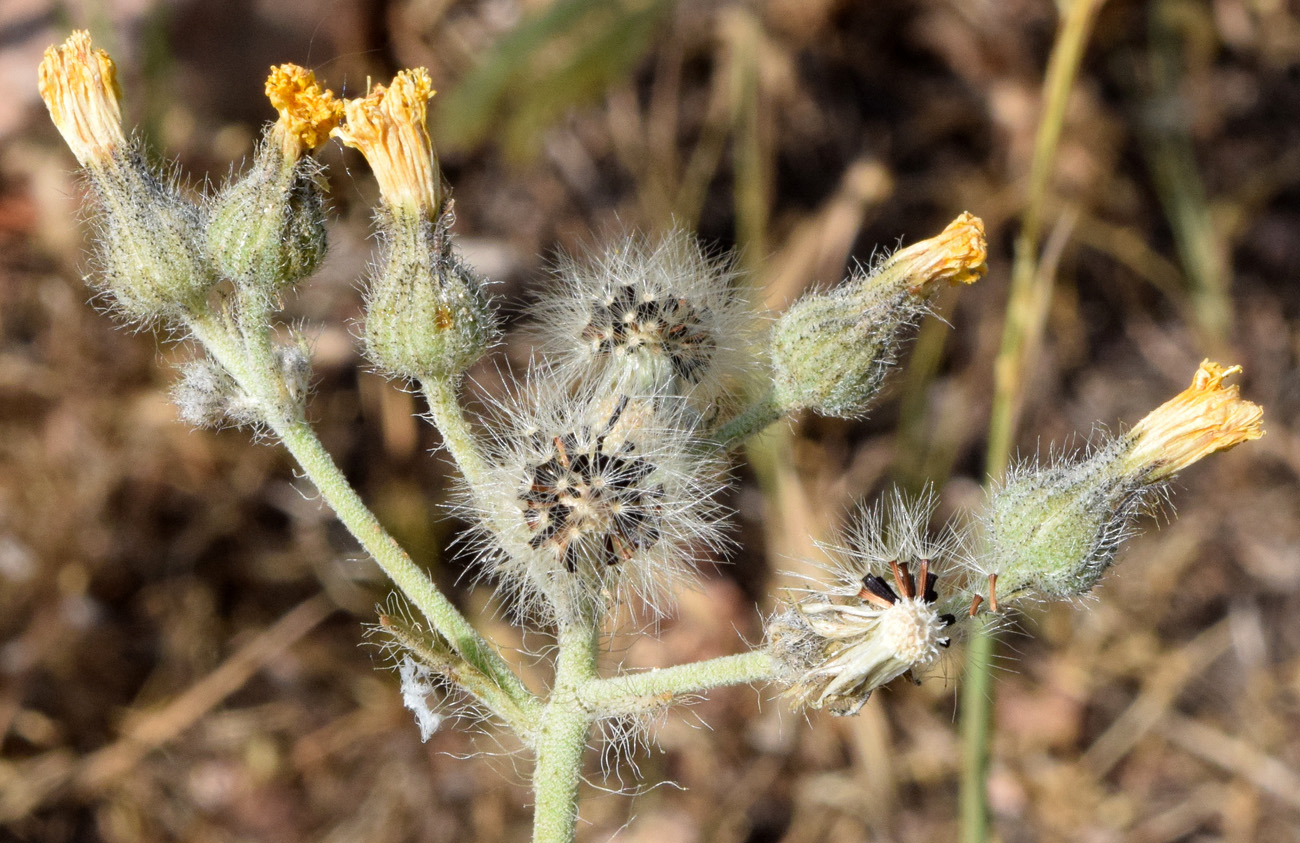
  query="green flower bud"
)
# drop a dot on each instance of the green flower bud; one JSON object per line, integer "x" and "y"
{"x": 149, "y": 235}
{"x": 150, "y": 254}
{"x": 830, "y": 351}
{"x": 267, "y": 230}
{"x": 426, "y": 314}
{"x": 1050, "y": 533}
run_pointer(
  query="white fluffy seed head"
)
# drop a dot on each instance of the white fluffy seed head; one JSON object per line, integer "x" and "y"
{"x": 593, "y": 500}
{"x": 646, "y": 316}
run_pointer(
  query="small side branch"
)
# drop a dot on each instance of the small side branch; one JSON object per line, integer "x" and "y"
{"x": 629, "y": 692}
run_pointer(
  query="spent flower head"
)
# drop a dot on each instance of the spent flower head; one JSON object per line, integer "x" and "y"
{"x": 388, "y": 126}
{"x": 956, "y": 255}
{"x": 308, "y": 112}
{"x": 1206, "y": 417}
{"x": 880, "y": 618}
{"x": 79, "y": 86}
{"x": 650, "y": 315}
{"x": 594, "y": 499}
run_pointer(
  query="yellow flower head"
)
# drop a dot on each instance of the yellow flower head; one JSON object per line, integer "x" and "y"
{"x": 79, "y": 86}
{"x": 388, "y": 126}
{"x": 1204, "y": 418}
{"x": 308, "y": 112}
{"x": 956, "y": 255}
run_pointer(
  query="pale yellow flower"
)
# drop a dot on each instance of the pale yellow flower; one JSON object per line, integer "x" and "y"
{"x": 79, "y": 86}
{"x": 388, "y": 126}
{"x": 957, "y": 255}
{"x": 308, "y": 112}
{"x": 1204, "y": 418}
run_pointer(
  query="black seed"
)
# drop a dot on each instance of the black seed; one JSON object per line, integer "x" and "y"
{"x": 879, "y": 587}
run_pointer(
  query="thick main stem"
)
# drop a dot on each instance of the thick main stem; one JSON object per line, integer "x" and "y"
{"x": 562, "y": 740}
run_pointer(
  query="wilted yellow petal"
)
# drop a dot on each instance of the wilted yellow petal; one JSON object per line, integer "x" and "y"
{"x": 308, "y": 112}
{"x": 957, "y": 255}
{"x": 79, "y": 86}
{"x": 1204, "y": 418}
{"x": 388, "y": 126}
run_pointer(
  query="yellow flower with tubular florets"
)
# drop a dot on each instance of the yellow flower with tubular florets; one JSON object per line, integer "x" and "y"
{"x": 308, "y": 112}
{"x": 1204, "y": 418}
{"x": 388, "y": 126}
{"x": 79, "y": 86}
{"x": 957, "y": 255}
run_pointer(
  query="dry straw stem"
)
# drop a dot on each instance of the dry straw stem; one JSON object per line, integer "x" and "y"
{"x": 1026, "y": 308}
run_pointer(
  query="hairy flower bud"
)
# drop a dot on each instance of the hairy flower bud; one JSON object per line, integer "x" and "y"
{"x": 1050, "y": 533}
{"x": 830, "y": 350}
{"x": 426, "y": 313}
{"x": 267, "y": 229}
{"x": 150, "y": 237}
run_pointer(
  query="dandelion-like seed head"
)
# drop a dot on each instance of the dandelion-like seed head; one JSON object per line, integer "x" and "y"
{"x": 388, "y": 126}
{"x": 595, "y": 499}
{"x": 79, "y": 86}
{"x": 881, "y": 619}
{"x": 650, "y": 316}
{"x": 1206, "y": 417}
{"x": 308, "y": 112}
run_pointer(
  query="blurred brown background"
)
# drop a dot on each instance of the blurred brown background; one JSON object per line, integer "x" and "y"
{"x": 183, "y": 654}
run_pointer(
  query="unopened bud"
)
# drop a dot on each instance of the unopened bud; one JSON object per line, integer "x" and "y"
{"x": 830, "y": 351}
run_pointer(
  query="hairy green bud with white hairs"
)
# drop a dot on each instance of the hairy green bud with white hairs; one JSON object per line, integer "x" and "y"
{"x": 150, "y": 254}
{"x": 830, "y": 350}
{"x": 427, "y": 317}
{"x": 267, "y": 229}
{"x": 1051, "y": 533}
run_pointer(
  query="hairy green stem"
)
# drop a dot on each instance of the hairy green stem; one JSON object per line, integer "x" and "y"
{"x": 456, "y": 434}
{"x": 630, "y": 692}
{"x": 562, "y": 738}
{"x": 750, "y": 421}
{"x": 510, "y": 699}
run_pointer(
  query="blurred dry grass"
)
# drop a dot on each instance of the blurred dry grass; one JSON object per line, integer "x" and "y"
{"x": 169, "y": 668}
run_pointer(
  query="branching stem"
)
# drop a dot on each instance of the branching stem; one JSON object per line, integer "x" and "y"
{"x": 508, "y": 697}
